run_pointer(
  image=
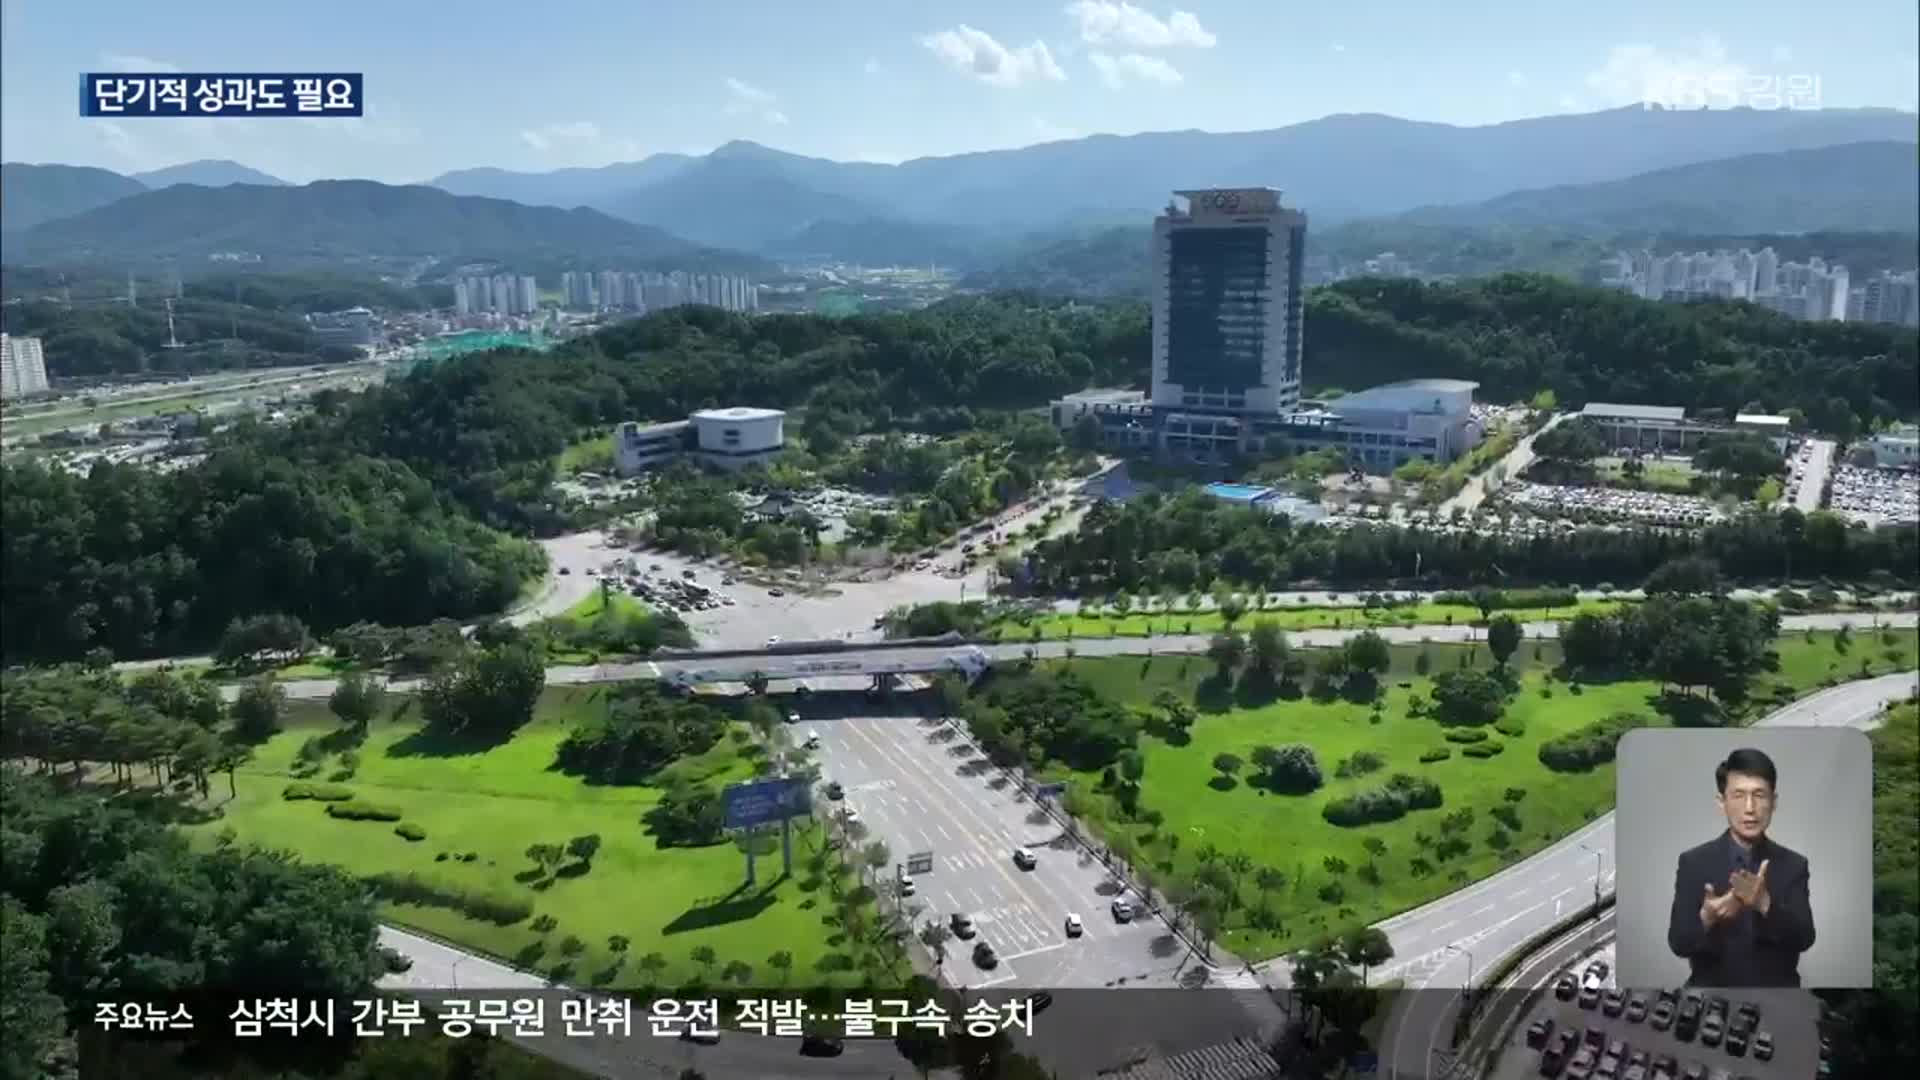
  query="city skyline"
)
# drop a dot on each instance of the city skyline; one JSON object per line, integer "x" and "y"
{"x": 873, "y": 82}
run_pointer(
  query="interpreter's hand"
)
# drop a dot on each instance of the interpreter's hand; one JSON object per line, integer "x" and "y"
{"x": 1751, "y": 888}
{"x": 1715, "y": 910}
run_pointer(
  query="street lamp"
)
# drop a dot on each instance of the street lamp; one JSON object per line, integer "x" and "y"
{"x": 1466, "y": 993}
{"x": 1598, "y": 858}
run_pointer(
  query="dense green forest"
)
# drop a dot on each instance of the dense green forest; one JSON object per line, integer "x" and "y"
{"x": 144, "y": 563}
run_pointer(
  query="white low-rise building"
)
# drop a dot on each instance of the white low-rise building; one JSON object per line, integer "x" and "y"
{"x": 1897, "y": 448}
{"x": 728, "y": 439}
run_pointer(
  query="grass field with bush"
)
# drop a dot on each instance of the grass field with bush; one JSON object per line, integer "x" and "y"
{"x": 451, "y": 825}
{"x": 1496, "y": 772}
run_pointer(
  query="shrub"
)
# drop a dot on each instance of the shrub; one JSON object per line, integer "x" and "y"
{"x": 1391, "y": 801}
{"x": 1360, "y": 764}
{"x": 412, "y": 888}
{"x": 407, "y": 830}
{"x": 1292, "y": 768}
{"x": 1594, "y": 744}
{"x": 1466, "y": 735}
{"x": 301, "y": 789}
{"x": 1483, "y": 750}
{"x": 360, "y": 810}
{"x": 1512, "y": 726}
{"x": 1438, "y": 753}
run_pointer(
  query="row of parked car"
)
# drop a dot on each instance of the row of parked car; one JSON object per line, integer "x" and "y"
{"x": 1689, "y": 1014}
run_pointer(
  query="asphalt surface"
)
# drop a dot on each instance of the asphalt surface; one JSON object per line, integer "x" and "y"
{"x": 1515, "y": 463}
{"x": 933, "y": 656}
{"x": 1813, "y": 481}
{"x": 1476, "y": 927}
{"x": 920, "y": 787}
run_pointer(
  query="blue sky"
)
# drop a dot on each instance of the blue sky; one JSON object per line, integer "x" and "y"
{"x": 533, "y": 86}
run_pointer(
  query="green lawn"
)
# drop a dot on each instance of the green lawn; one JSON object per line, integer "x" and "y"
{"x": 496, "y": 803}
{"x": 1289, "y": 617}
{"x": 1288, "y": 833}
{"x": 588, "y": 455}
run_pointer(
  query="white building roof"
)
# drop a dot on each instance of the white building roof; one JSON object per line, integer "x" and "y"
{"x": 1670, "y": 413}
{"x": 1762, "y": 420}
{"x": 737, "y": 413}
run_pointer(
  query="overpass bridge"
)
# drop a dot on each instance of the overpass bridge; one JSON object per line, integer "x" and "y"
{"x": 804, "y": 661}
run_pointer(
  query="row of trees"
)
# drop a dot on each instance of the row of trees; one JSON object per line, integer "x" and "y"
{"x": 1190, "y": 541}
{"x": 640, "y": 732}
{"x": 1684, "y": 641}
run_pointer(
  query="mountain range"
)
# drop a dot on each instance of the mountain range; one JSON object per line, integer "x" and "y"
{"x": 1338, "y": 168}
{"x": 347, "y": 220}
{"x": 1737, "y": 170}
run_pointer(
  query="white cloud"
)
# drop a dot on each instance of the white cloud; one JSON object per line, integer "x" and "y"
{"x": 1700, "y": 76}
{"x": 1516, "y": 79}
{"x": 750, "y": 100}
{"x": 1117, "y": 71}
{"x": 1339, "y": 48}
{"x": 976, "y": 53}
{"x": 128, "y": 64}
{"x": 1116, "y": 22}
{"x": 1569, "y": 103}
{"x": 577, "y": 141}
{"x": 871, "y": 67}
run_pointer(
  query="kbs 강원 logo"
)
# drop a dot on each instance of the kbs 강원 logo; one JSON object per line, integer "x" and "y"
{"x": 1732, "y": 90}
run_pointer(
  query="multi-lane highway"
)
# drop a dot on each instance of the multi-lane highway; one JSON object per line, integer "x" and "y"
{"x": 1442, "y": 945}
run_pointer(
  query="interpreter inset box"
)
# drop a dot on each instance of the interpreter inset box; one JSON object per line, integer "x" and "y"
{"x": 1744, "y": 858}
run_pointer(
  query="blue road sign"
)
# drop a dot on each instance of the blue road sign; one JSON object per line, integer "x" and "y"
{"x": 765, "y": 801}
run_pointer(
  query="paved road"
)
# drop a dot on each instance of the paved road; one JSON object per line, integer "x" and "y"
{"x": 919, "y": 786}
{"x": 440, "y": 972}
{"x": 1512, "y": 465}
{"x": 1485, "y": 922}
{"x": 309, "y": 689}
{"x": 1813, "y": 481}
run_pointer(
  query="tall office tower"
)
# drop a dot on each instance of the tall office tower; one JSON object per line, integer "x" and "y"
{"x": 23, "y": 367}
{"x": 529, "y": 295}
{"x": 462, "y": 299}
{"x": 610, "y": 297}
{"x": 506, "y": 294}
{"x": 1227, "y": 301}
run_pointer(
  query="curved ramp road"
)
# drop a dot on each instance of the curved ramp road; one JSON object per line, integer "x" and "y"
{"x": 1493, "y": 918}
{"x": 441, "y": 971}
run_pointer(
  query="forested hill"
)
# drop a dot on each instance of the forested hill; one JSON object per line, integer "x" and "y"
{"x": 1518, "y": 333}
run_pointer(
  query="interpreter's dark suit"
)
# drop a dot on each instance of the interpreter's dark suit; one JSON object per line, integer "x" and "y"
{"x": 1751, "y": 949}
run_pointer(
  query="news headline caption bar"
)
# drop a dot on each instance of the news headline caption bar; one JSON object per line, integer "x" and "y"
{"x": 526, "y": 1017}
{"x": 141, "y": 94}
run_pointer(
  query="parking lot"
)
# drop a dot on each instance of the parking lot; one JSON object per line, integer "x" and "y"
{"x": 1876, "y": 496}
{"x": 1642, "y": 1035}
{"x": 1654, "y": 507}
{"x": 919, "y": 787}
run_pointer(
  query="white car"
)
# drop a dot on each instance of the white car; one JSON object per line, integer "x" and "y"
{"x": 772, "y": 641}
{"x": 813, "y": 740}
{"x": 850, "y": 816}
{"x": 1074, "y": 925}
{"x": 1023, "y": 858}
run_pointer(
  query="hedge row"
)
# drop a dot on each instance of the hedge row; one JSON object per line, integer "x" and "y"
{"x": 1511, "y": 726}
{"x": 360, "y": 810}
{"x": 1466, "y": 735}
{"x": 411, "y": 888}
{"x": 407, "y": 830}
{"x": 301, "y": 789}
{"x": 1592, "y": 745}
{"x": 1438, "y": 753}
{"x": 1483, "y": 750}
{"x": 1504, "y": 599}
{"x": 1391, "y": 801}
